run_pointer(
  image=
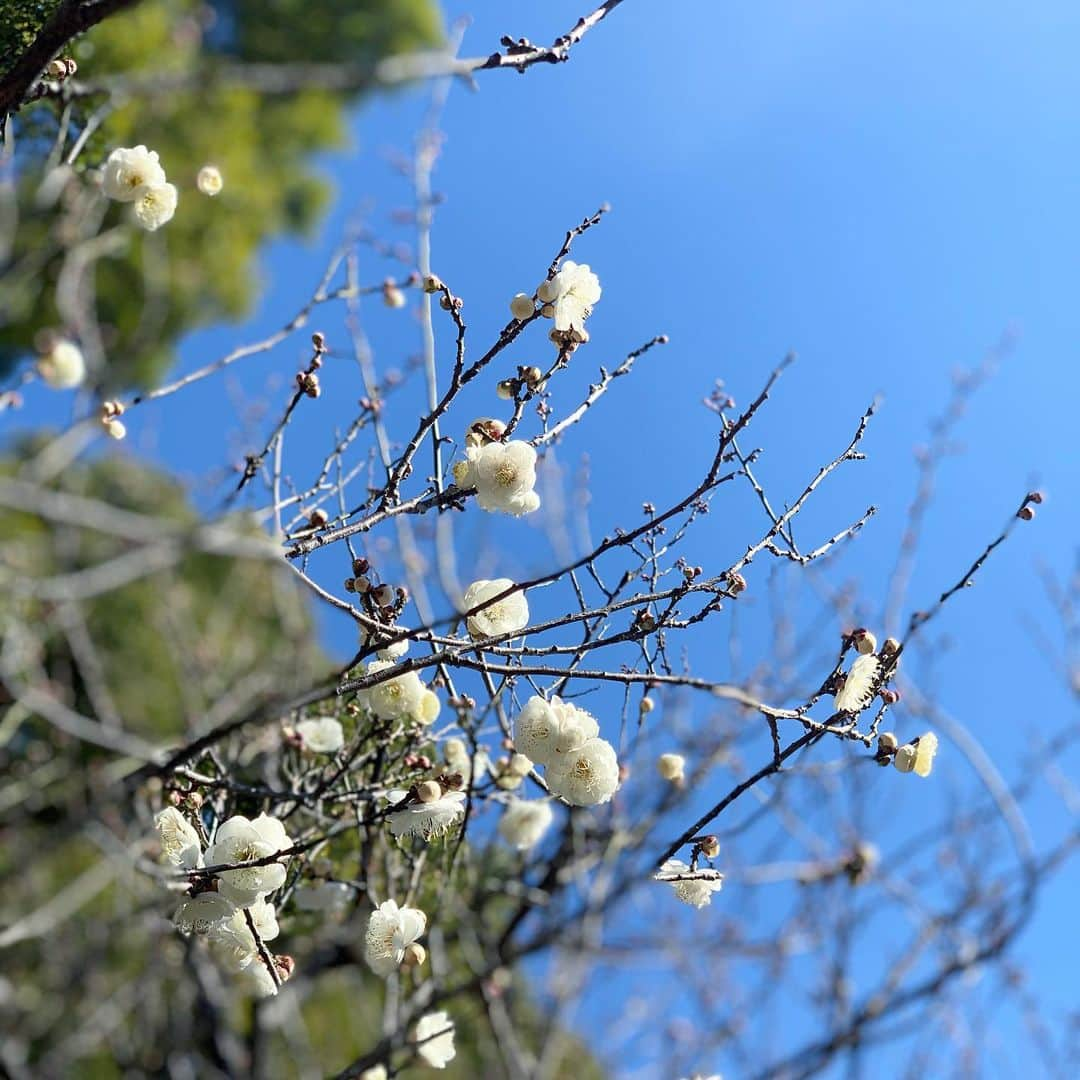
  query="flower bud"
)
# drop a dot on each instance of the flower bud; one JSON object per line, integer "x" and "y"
{"x": 415, "y": 955}
{"x": 522, "y": 306}
{"x": 433, "y": 284}
{"x": 505, "y": 389}
{"x": 1025, "y": 513}
{"x": 671, "y": 767}
{"x": 1035, "y": 496}
{"x": 710, "y": 846}
{"x": 350, "y": 585}
{"x": 646, "y": 706}
{"x": 383, "y": 595}
{"x": 889, "y": 647}
{"x": 904, "y": 759}
{"x": 56, "y": 69}
{"x": 318, "y": 518}
{"x": 360, "y": 566}
{"x": 392, "y": 296}
{"x": 865, "y": 642}
{"x": 362, "y": 584}
{"x": 547, "y": 291}
{"x": 115, "y": 429}
{"x": 887, "y": 743}
{"x": 548, "y": 311}
{"x": 446, "y": 302}
{"x": 580, "y": 336}
{"x": 318, "y": 339}
{"x": 428, "y": 791}
{"x": 889, "y": 696}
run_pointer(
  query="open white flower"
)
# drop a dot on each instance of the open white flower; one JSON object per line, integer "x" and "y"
{"x": 331, "y": 897}
{"x": 576, "y": 727}
{"x": 587, "y": 775}
{"x": 524, "y": 822}
{"x": 693, "y": 887}
{"x": 434, "y": 1038}
{"x": 390, "y": 931}
{"x": 209, "y": 180}
{"x": 672, "y": 767}
{"x": 505, "y": 616}
{"x": 154, "y": 206}
{"x": 232, "y": 941}
{"x": 239, "y": 840}
{"x": 573, "y": 292}
{"x": 256, "y": 980}
{"x": 322, "y": 735}
{"x": 504, "y": 475}
{"x": 178, "y": 838}
{"x": 426, "y": 819}
{"x": 63, "y": 366}
{"x": 128, "y": 170}
{"x": 857, "y": 691}
{"x": 401, "y": 697}
{"x": 918, "y": 755}
{"x": 203, "y": 914}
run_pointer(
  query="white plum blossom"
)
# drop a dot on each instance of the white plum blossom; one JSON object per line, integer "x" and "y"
{"x": 257, "y": 980}
{"x": 535, "y": 729}
{"x": 390, "y": 931}
{"x": 203, "y": 914}
{"x": 63, "y": 366}
{"x": 524, "y": 822}
{"x": 434, "y": 1038}
{"x": 917, "y": 756}
{"x": 376, "y": 1072}
{"x": 128, "y": 170}
{"x": 154, "y": 206}
{"x": 331, "y": 897}
{"x": 671, "y": 767}
{"x": 505, "y": 616}
{"x": 425, "y": 819}
{"x": 393, "y": 651}
{"x": 239, "y": 840}
{"x": 234, "y": 944}
{"x": 401, "y": 697}
{"x": 575, "y": 728}
{"x": 322, "y": 735}
{"x": 572, "y": 293}
{"x": 178, "y": 838}
{"x": 693, "y": 887}
{"x": 857, "y": 691}
{"x": 587, "y": 775}
{"x": 209, "y": 181}
{"x": 504, "y": 475}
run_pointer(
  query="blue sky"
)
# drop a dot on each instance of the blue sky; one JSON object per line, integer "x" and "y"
{"x": 886, "y": 189}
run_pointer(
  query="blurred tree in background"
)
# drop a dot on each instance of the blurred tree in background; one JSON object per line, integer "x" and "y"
{"x": 196, "y": 104}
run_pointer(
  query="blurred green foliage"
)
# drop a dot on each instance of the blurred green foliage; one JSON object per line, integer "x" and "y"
{"x": 201, "y": 268}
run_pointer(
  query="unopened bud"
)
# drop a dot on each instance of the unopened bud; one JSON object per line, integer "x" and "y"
{"x": 1035, "y": 496}
{"x": 710, "y": 846}
{"x": 890, "y": 647}
{"x": 505, "y": 389}
{"x": 350, "y": 585}
{"x": 115, "y": 429}
{"x": 383, "y": 595}
{"x": 736, "y": 582}
{"x": 446, "y": 302}
{"x": 887, "y": 743}
{"x": 433, "y": 284}
{"x": 360, "y": 566}
{"x": 1025, "y": 513}
{"x": 57, "y": 69}
{"x": 646, "y": 706}
{"x": 415, "y": 955}
{"x": 392, "y": 296}
{"x": 890, "y": 696}
{"x": 195, "y": 800}
{"x": 580, "y": 336}
{"x": 428, "y": 791}
{"x": 547, "y": 292}
{"x": 362, "y": 584}
{"x": 522, "y": 307}
{"x": 318, "y": 518}
{"x": 284, "y": 966}
{"x": 865, "y": 642}
{"x": 318, "y": 339}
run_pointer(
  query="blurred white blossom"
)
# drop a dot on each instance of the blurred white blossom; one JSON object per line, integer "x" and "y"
{"x": 203, "y": 914}
{"x": 328, "y": 896}
{"x": 524, "y": 822}
{"x": 671, "y": 767}
{"x": 434, "y": 1038}
{"x": 63, "y": 366}
{"x": 209, "y": 180}
{"x": 154, "y": 206}
{"x": 322, "y": 735}
{"x": 505, "y": 616}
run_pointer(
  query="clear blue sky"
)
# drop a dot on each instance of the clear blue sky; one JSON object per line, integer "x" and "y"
{"x": 885, "y": 189}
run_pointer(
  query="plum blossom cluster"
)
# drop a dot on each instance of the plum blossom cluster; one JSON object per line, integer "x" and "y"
{"x": 580, "y": 767}
{"x": 228, "y": 907}
{"x": 135, "y": 175}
